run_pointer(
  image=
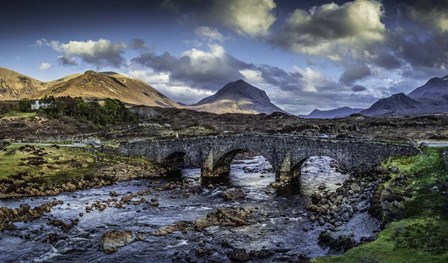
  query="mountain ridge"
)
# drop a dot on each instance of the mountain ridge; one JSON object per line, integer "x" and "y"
{"x": 89, "y": 85}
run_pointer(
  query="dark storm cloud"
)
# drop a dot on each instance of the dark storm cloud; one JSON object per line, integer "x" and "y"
{"x": 353, "y": 73}
{"x": 433, "y": 13}
{"x": 383, "y": 57}
{"x": 212, "y": 69}
{"x": 431, "y": 51}
{"x": 358, "y": 88}
{"x": 279, "y": 77}
{"x": 197, "y": 68}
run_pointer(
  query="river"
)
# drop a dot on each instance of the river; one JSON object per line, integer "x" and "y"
{"x": 280, "y": 222}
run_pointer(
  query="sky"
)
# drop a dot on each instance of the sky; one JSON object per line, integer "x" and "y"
{"x": 304, "y": 54}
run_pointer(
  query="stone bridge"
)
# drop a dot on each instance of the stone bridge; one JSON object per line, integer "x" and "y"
{"x": 285, "y": 153}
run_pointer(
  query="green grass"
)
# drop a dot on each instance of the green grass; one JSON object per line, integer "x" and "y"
{"x": 18, "y": 115}
{"x": 422, "y": 233}
{"x": 69, "y": 162}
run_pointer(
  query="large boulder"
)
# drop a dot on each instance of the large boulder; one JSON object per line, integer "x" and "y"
{"x": 115, "y": 239}
{"x": 225, "y": 216}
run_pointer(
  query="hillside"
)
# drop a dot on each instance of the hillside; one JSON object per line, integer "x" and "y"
{"x": 94, "y": 85}
{"x": 397, "y": 104}
{"x": 14, "y": 86}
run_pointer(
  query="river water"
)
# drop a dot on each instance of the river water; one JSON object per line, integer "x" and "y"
{"x": 280, "y": 222}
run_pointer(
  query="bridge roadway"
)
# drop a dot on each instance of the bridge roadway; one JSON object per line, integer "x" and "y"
{"x": 285, "y": 153}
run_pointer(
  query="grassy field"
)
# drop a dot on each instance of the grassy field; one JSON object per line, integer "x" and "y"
{"x": 18, "y": 115}
{"x": 52, "y": 163}
{"x": 421, "y": 234}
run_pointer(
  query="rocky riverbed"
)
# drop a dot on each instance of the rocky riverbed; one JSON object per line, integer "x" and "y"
{"x": 186, "y": 219}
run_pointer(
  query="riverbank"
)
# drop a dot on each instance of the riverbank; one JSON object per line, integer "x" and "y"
{"x": 413, "y": 207}
{"x": 39, "y": 170}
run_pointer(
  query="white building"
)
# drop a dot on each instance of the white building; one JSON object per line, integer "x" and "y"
{"x": 37, "y": 105}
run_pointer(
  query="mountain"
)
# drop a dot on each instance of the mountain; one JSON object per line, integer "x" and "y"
{"x": 331, "y": 114}
{"x": 397, "y": 104}
{"x": 237, "y": 97}
{"x": 15, "y": 86}
{"x": 427, "y": 99}
{"x": 90, "y": 85}
{"x": 95, "y": 85}
{"x": 434, "y": 89}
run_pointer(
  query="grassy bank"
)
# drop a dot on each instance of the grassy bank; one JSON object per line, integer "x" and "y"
{"x": 51, "y": 163}
{"x": 29, "y": 170}
{"x": 419, "y": 232}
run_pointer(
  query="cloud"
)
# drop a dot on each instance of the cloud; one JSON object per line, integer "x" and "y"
{"x": 358, "y": 88}
{"x": 246, "y": 17}
{"x": 198, "y": 73}
{"x": 100, "y": 53}
{"x": 354, "y": 72}
{"x": 209, "y": 34}
{"x": 45, "y": 66}
{"x": 312, "y": 79}
{"x": 251, "y": 18}
{"x": 67, "y": 61}
{"x": 204, "y": 69}
{"x": 138, "y": 44}
{"x": 333, "y": 31}
{"x": 41, "y": 43}
{"x": 430, "y": 12}
{"x": 176, "y": 91}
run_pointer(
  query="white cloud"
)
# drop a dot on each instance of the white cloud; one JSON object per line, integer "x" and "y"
{"x": 41, "y": 42}
{"x": 45, "y": 66}
{"x": 333, "y": 31}
{"x": 208, "y": 33}
{"x": 99, "y": 53}
{"x": 246, "y": 17}
{"x": 150, "y": 76}
{"x": 175, "y": 90}
{"x": 252, "y": 76}
{"x": 312, "y": 79}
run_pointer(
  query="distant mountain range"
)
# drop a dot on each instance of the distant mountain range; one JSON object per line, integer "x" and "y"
{"x": 427, "y": 99}
{"x": 331, "y": 114}
{"x": 237, "y": 97}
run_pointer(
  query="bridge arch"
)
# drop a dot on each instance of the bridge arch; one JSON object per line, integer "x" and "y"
{"x": 222, "y": 163}
{"x": 177, "y": 159}
{"x": 296, "y": 168}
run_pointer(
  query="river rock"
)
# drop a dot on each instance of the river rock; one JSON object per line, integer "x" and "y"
{"x": 115, "y": 239}
{"x": 321, "y": 187}
{"x": 225, "y": 216}
{"x": 355, "y": 187}
{"x": 238, "y": 255}
{"x": 338, "y": 244}
{"x": 232, "y": 195}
